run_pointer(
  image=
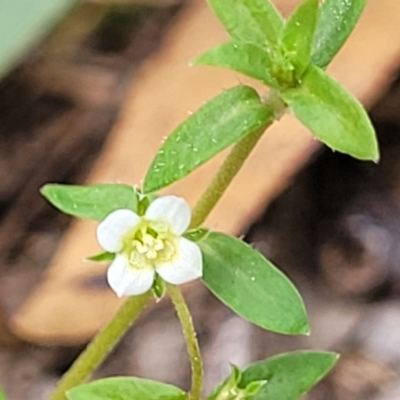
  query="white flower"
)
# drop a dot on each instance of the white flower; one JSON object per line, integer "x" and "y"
{"x": 149, "y": 244}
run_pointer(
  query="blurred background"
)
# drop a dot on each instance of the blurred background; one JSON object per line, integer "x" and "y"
{"x": 88, "y": 90}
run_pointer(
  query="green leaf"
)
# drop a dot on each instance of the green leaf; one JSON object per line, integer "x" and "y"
{"x": 91, "y": 202}
{"x": 24, "y": 23}
{"x": 247, "y": 58}
{"x": 298, "y": 34}
{"x": 230, "y": 390}
{"x": 2, "y": 395}
{"x": 251, "y": 286}
{"x": 102, "y": 257}
{"x": 195, "y": 235}
{"x": 289, "y": 376}
{"x": 333, "y": 115}
{"x": 254, "y": 21}
{"x": 217, "y": 125}
{"x": 337, "y": 20}
{"x": 124, "y": 388}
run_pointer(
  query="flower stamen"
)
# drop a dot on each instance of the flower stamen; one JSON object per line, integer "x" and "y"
{"x": 148, "y": 243}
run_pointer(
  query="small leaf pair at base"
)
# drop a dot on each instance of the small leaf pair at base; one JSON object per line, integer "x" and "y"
{"x": 289, "y": 376}
{"x": 230, "y": 389}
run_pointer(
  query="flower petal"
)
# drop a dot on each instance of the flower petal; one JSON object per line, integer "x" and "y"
{"x": 113, "y": 228}
{"x": 173, "y": 210}
{"x": 128, "y": 281}
{"x": 187, "y": 266}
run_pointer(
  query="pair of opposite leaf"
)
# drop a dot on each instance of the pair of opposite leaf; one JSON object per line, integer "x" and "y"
{"x": 289, "y": 56}
{"x": 286, "y": 376}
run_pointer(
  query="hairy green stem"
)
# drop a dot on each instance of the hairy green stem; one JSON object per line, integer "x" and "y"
{"x": 221, "y": 180}
{"x": 191, "y": 340}
{"x": 101, "y": 345}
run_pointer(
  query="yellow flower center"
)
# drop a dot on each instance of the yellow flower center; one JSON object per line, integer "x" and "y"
{"x": 150, "y": 243}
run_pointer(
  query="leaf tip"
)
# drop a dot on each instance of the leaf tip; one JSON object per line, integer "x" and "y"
{"x": 44, "y": 189}
{"x": 204, "y": 59}
{"x": 303, "y": 324}
{"x": 305, "y": 329}
{"x": 192, "y": 62}
{"x": 376, "y": 157}
{"x": 334, "y": 358}
{"x": 195, "y": 61}
{"x": 372, "y": 154}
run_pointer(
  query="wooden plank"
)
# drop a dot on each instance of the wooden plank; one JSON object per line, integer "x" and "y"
{"x": 23, "y": 24}
{"x": 63, "y": 308}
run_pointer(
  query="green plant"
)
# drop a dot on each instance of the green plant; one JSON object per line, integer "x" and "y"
{"x": 155, "y": 243}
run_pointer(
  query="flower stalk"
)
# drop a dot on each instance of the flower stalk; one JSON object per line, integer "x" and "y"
{"x": 192, "y": 344}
